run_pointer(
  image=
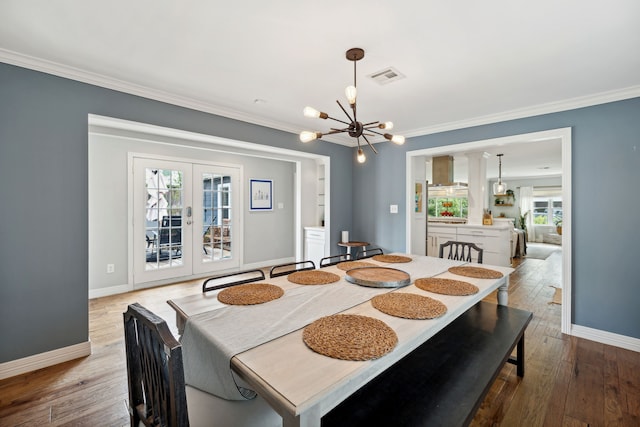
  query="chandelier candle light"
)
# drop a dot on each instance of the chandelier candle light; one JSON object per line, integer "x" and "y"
{"x": 499, "y": 188}
{"x": 354, "y": 128}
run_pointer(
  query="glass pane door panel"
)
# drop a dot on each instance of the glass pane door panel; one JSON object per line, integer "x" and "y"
{"x": 161, "y": 226}
{"x": 164, "y": 202}
{"x": 218, "y": 248}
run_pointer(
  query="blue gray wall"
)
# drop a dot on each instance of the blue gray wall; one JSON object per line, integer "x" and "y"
{"x": 44, "y": 201}
{"x": 605, "y": 204}
{"x": 44, "y": 197}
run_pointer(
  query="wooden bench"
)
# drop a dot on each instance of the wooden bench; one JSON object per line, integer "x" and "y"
{"x": 444, "y": 381}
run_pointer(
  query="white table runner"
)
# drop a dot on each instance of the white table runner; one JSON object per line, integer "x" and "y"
{"x": 211, "y": 339}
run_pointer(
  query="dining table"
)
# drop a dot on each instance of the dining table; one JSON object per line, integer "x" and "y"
{"x": 236, "y": 351}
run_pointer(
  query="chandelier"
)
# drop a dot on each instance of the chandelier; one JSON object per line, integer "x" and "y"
{"x": 499, "y": 188}
{"x": 353, "y": 127}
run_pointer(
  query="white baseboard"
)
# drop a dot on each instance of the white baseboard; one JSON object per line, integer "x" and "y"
{"x": 604, "y": 337}
{"x": 120, "y": 289}
{"x": 269, "y": 263}
{"x": 44, "y": 360}
{"x": 111, "y": 290}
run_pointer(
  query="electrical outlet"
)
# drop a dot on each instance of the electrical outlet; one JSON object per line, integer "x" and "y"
{"x": 393, "y": 208}
{"x": 111, "y": 268}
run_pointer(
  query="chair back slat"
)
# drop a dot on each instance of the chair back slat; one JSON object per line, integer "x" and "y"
{"x": 461, "y": 251}
{"x": 232, "y": 279}
{"x": 284, "y": 269}
{"x": 155, "y": 374}
{"x": 334, "y": 259}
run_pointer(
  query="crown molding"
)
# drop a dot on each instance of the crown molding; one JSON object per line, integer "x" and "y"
{"x": 536, "y": 110}
{"x": 96, "y": 79}
{"x": 60, "y": 70}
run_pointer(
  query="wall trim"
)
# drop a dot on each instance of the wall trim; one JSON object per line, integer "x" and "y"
{"x": 61, "y": 70}
{"x": 270, "y": 263}
{"x": 44, "y": 360}
{"x": 110, "y": 290}
{"x": 605, "y": 337}
{"x": 121, "y": 289}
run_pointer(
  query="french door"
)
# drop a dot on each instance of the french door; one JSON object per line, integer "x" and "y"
{"x": 185, "y": 219}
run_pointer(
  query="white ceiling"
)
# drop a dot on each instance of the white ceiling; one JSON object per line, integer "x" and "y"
{"x": 466, "y": 62}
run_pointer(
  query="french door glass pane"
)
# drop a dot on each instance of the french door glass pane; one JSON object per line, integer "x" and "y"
{"x": 164, "y": 201}
{"x": 217, "y": 224}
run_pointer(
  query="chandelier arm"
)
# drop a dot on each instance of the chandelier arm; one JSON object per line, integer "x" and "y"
{"x": 338, "y": 120}
{"x": 333, "y": 131}
{"x": 376, "y": 132}
{"x": 370, "y": 145}
{"x": 373, "y": 124}
{"x": 345, "y": 111}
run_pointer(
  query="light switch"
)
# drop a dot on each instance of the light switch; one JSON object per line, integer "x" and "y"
{"x": 393, "y": 208}
{"x": 280, "y": 205}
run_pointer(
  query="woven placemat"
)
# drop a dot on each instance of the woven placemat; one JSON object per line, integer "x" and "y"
{"x": 446, "y": 286}
{"x": 348, "y": 265}
{"x": 249, "y": 294}
{"x": 476, "y": 272}
{"x": 409, "y": 306}
{"x": 313, "y": 277}
{"x": 350, "y": 337}
{"x": 392, "y": 258}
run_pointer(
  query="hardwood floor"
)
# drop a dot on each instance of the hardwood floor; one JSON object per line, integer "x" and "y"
{"x": 568, "y": 381}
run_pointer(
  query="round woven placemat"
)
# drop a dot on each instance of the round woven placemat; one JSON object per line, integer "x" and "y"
{"x": 476, "y": 272}
{"x": 350, "y": 337}
{"x": 446, "y": 286}
{"x": 392, "y": 258}
{"x": 348, "y": 265}
{"x": 313, "y": 277}
{"x": 251, "y": 293}
{"x": 409, "y": 306}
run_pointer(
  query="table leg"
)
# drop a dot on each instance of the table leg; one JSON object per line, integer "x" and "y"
{"x": 503, "y": 295}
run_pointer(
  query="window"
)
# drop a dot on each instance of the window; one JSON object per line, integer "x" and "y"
{"x": 547, "y": 205}
{"x": 457, "y": 207}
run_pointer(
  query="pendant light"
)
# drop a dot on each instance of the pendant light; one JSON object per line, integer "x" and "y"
{"x": 499, "y": 188}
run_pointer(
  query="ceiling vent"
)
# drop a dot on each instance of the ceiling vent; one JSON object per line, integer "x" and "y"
{"x": 388, "y": 75}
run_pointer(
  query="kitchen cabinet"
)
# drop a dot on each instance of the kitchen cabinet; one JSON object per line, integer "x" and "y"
{"x": 494, "y": 240}
{"x": 314, "y": 240}
{"x": 437, "y": 234}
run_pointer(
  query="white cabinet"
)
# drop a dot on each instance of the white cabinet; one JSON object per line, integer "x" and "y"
{"x": 438, "y": 234}
{"x": 314, "y": 244}
{"x": 495, "y": 241}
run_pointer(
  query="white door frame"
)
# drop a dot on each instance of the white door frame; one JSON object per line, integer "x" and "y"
{"x": 231, "y": 146}
{"x": 190, "y": 243}
{"x": 565, "y": 136}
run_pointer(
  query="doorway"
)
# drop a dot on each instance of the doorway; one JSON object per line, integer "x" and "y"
{"x": 565, "y": 138}
{"x": 185, "y": 217}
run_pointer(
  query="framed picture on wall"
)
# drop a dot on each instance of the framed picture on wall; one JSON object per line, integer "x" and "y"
{"x": 261, "y": 191}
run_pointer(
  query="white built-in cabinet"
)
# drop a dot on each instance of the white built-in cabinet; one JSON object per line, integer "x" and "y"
{"x": 438, "y": 234}
{"x": 314, "y": 244}
{"x": 494, "y": 240}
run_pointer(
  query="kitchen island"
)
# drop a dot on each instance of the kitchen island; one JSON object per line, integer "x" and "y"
{"x": 494, "y": 239}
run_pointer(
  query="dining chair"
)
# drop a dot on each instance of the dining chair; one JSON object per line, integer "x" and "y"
{"x": 232, "y": 279}
{"x": 158, "y": 395}
{"x": 461, "y": 251}
{"x": 284, "y": 269}
{"x": 334, "y": 259}
{"x": 368, "y": 253}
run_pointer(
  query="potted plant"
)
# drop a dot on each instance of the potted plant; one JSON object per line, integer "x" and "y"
{"x": 523, "y": 221}
{"x": 558, "y": 222}
{"x": 511, "y": 195}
